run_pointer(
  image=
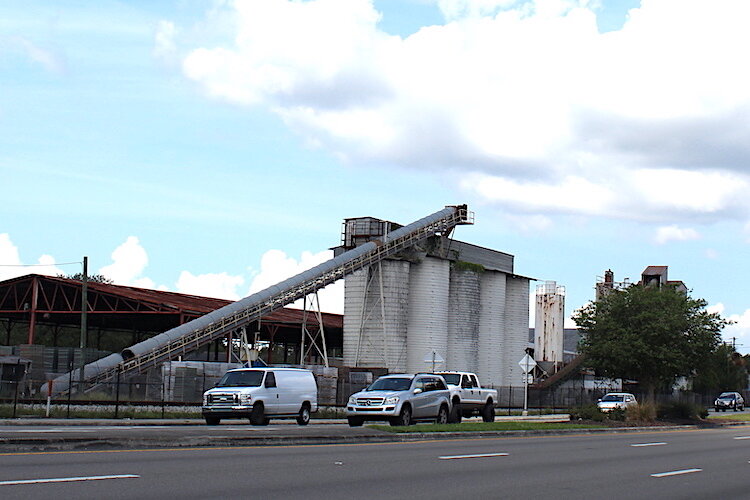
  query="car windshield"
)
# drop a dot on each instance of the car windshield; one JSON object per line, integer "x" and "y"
{"x": 452, "y": 378}
{"x": 390, "y": 384}
{"x": 726, "y": 395}
{"x": 250, "y": 378}
{"x": 612, "y": 397}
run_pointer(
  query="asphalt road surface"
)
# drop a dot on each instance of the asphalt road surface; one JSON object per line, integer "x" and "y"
{"x": 677, "y": 464}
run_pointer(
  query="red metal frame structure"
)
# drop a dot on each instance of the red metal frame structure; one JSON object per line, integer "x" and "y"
{"x": 37, "y": 299}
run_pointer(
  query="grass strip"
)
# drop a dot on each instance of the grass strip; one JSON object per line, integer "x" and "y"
{"x": 486, "y": 426}
{"x": 731, "y": 416}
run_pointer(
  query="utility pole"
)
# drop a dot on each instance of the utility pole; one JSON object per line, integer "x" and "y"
{"x": 84, "y": 310}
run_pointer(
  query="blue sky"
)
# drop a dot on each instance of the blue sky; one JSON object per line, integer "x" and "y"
{"x": 214, "y": 148}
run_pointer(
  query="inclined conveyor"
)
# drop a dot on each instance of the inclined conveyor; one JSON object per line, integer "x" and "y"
{"x": 216, "y": 324}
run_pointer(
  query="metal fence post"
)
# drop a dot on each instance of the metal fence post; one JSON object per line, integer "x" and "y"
{"x": 162, "y": 398}
{"x": 70, "y": 379}
{"x": 510, "y": 398}
{"x": 117, "y": 393}
{"x": 15, "y": 399}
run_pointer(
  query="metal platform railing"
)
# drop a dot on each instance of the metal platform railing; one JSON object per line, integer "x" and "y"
{"x": 390, "y": 244}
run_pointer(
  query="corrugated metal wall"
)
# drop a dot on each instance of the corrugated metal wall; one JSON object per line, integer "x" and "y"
{"x": 463, "y": 321}
{"x": 428, "y": 312}
{"x": 492, "y": 338}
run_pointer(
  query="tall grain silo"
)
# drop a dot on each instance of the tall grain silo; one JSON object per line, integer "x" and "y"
{"x": 463, "y": 319}
{"x": 375, "y": 316}
{"x": 517, "y": 328}
{"x": 548, "y": 330}
{"x": 491, "y": 333}
{"x": 427, "y": 327}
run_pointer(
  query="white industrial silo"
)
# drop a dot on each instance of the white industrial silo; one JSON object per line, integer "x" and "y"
{"x": 463, "y": 320}
{"x": 491, "y": 328}
{"x": 375, "y": 316}
{"x": 548, "y": 328}
{"x": 516, "y": 328}
{"x": 427, "y": 328}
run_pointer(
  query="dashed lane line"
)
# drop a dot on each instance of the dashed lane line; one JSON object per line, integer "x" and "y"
{"x": 676, "y": 472}
{"x": 640, "y": 445}
{"x": 482, "y": 455}
{"x": 67, "y": 479}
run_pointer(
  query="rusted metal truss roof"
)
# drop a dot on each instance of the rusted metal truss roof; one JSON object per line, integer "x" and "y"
{"x": 56, "y": 295}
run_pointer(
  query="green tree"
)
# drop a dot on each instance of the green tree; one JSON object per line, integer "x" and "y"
{"x": 93, "y": 278}
{"x": 724, "y": 370}
{"x": 649, "y": 334}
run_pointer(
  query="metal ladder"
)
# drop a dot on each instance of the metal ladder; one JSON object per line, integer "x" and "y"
{"x": 196, "y": 339}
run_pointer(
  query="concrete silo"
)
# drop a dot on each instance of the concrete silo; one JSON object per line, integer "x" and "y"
{"x": 463, "y": 319}
{"x": 492, "y": 328}
{"x": 427, "y": 327}
{"x": 548, "y": 330}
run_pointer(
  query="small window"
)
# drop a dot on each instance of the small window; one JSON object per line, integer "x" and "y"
{"x": 465, "y": 382}
{"x": 270, "y": 379}
{"x": 474, "y": 381}
{"x": 421, "y": 384}
{"x": 440, "y": 385}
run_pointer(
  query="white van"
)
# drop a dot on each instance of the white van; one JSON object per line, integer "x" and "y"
{"x": 261, "y": 394}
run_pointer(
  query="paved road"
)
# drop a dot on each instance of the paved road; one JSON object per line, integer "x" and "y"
{"x": 677, "y": 464}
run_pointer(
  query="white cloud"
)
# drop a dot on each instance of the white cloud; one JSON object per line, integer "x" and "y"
{"x": 128, "y": 263}
{"x": 12, "y": 267}
{"x": 711, "y": 254}
{"x": 526, "y": 102}
{"x": 276, "y": 266}
{"x": 665, "y": 234}
{"x": 739, "y": 331}
{"x": 219, "y": 285}
{"x": 165, "y": 47}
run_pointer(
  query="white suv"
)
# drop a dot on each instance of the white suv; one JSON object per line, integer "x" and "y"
{"x": 613, "y": 400}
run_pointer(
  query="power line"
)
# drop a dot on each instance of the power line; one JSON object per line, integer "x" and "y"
{"x": 41, "y": 265}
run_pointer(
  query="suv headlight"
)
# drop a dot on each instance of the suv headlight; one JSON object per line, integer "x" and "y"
{"x": 352, "y": 399}
{"x": 391, "y": 401}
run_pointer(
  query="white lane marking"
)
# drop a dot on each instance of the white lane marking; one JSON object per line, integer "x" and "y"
{"x": 676, "y": 472}
{"x": 67, "y": 479}
{"x": 35, "y": 431}
{"x": 638, "y": 445}
{"x": 742, "y": 437}
{"x": 483, "y": 455}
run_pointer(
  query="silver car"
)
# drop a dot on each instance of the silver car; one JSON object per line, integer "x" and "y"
{"x": 727, "y": 400}
{"x": 401, "y": 399}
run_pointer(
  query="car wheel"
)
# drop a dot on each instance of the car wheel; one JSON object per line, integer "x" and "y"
{"x": 455, "y": 415}
{"x": 304, "y": 415}
{"x": 355, "y": 421}
{"x": 212, "y": 420}
{"x": 404, "y": 418}
{"x": 442, "y": 416}
{"x": 488, "y": 412}
{"x": 258, "y": 417}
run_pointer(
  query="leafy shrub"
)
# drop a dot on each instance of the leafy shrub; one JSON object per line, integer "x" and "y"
{"x": 642, "y": 412}
{"x": 616, "y": 414}
{"x": 589, "y": 412}
{"x": 678, "y": 410}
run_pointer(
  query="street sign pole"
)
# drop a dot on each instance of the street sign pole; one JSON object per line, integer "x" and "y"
{"x": 527, "y": 364}
{"x": 525, "y": 411}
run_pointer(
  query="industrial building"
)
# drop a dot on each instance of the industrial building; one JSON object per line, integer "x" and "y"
{"x": 415, "y": 300}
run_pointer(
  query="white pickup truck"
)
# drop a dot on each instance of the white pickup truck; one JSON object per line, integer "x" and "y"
{"x": 468, "y": 397}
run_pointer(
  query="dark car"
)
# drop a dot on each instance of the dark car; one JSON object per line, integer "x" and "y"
{"x": 728, "y": 400}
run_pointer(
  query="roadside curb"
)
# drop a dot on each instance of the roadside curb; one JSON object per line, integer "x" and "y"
{"x": 61, "y": 444}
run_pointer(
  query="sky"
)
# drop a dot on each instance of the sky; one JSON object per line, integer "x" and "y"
{"x": 214, "y": 148}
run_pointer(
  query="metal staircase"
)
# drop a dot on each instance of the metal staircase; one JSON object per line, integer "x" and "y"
{"x": 194, "y": 334}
